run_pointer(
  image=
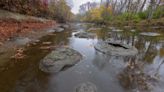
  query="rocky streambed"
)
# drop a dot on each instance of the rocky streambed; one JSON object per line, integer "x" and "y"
{"x": 96, "y": 60}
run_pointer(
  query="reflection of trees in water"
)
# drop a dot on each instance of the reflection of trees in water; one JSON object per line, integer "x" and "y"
{"x": 158, "y": 68}
{"x": 150, "y": 53}
{"x": 147, "y": 48}
{"x": 31, "y": 81}
{"x": 100, "y": 61}
{"x": 146, "y": 45}
{"x": 103, "y": 34}
{"x": 106, "y": 62}
{"x": 162, "y": 52}
{"x": 133, "y": 77}
{"x": 58, "y": 38}
{"x": 124, "y": 37}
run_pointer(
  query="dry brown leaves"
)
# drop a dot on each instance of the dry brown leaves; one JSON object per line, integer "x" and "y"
{"x": 10, "y": 27}
{"x": 19, "y": 54}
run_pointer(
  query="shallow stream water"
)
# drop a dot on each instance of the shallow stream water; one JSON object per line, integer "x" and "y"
{"x": 100, "y": 69}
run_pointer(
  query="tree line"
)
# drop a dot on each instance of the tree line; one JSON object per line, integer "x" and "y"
{"x": 123, "y": 10}
{"x": 51, "y": 9}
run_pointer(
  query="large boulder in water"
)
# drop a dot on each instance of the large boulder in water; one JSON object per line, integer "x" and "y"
{"x": 59, "y": 29}
{"x": 115, "y": 48}
{"x": 86, "y": 87}
{"x": 65, "y": 26}
{"x": 59, "y": 59}
{"x": 85, "y": 35}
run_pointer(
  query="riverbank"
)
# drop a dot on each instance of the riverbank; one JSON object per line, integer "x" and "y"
{"x": 143, "y": 23}
{"x": 18, "y": 30}
{"x": 14, "y": 24}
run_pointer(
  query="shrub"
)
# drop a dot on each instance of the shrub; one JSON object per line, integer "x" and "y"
{"x": 159, "y": 12}
{"x": 142, "y": 15}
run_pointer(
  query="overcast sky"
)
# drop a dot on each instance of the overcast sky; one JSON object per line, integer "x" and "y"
{"x": 77, "y": 4}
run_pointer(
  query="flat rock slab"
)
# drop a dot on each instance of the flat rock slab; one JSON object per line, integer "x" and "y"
{"x": 115, "y": 48}
{"x": 150, "y": 34}
{"x": 85, "y": 35}
{"x": 65, "y": 26}
{"x": 117, "y": 30}
{"x": 86, "y": 87}
{"x": 59, "y": 59}
{"x": 133, "y": 30}
{"x": 51, "y": 31}
{"x": 94, "y": 29}
{"x": 21, "y": 40}
{"x": 59, "y": 29}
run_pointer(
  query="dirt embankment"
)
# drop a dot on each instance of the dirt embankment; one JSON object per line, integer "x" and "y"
{"x": 13, "y": 24}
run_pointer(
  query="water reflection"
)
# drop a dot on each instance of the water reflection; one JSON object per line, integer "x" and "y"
{"x": 23, "y": 75}
{"x": 108, "y": 73}
{"x": 149, "y": 53}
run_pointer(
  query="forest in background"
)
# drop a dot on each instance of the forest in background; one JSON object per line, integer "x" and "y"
{"x": 122, "y": 11}
{"x": 52, "y": 9}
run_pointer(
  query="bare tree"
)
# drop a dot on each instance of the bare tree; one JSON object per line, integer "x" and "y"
{"x": 151, "y": 9}
{"x": 143, "y": 5}
{"x": 122, "y": 5}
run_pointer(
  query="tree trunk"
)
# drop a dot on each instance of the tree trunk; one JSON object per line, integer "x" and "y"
{"x": 123, "y": 5}
{"x": 143, "y": 5}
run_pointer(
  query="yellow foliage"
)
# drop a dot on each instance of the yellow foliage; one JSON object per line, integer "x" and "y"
{"x": 96, "y": 14}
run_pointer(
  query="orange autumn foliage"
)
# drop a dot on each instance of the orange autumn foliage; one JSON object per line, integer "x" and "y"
{"x": 29, "y": 7}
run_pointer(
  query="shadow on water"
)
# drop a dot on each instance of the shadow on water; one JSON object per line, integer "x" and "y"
{"x": 108, "y": 73}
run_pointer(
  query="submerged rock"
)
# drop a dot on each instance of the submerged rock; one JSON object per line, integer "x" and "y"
{"x": 86, "y": 87}
{"x": 115, "y": 48}
{"x": 85, "y": 35}
{"x": 59, "y": 59}
{"x": 150, "y": 34}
